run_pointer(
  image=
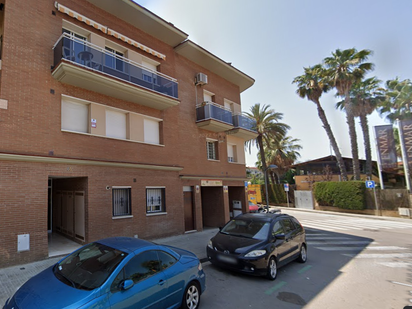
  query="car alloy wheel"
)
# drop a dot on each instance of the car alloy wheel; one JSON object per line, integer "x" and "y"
{"x": 303, "y": 255}
{"x": 191, "y": 298}
{"x": 272, "y": 270}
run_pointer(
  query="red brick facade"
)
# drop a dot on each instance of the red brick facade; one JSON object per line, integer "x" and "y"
{"x": 39, "y": 159}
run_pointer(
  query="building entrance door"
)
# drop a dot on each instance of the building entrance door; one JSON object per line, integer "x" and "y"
{"x": 188, "y": 208}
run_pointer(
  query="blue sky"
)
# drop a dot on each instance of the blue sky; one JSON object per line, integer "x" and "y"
{"x": 272, "y": 40}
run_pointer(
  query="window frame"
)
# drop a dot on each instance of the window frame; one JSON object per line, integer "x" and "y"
{"x": 162, "y": 209}
{"x": 129, "y": 206}
{"x": 215, "y": 151}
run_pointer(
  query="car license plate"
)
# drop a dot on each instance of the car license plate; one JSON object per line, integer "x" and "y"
{"x": 226, "y": 259}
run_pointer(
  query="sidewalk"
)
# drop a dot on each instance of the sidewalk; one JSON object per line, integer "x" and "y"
{"x": 11, "y": 278}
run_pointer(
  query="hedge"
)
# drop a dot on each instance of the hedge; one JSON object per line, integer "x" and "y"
{"x": 345, "y": 194}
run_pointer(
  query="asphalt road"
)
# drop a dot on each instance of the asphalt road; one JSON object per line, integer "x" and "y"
{"x": 352, "y": 262}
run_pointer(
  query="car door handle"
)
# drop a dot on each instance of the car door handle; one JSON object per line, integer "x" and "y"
{"x": 161, "y": 282}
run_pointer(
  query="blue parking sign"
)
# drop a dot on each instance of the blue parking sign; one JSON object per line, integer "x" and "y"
{"x": 370, "y": 184}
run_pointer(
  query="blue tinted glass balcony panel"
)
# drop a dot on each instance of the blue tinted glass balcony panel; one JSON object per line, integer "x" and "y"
{"x": 93, "y": 57}
{"x": 212, "y": 111}
{"x": 244, "y": 122}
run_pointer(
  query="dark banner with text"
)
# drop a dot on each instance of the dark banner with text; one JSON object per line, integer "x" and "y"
{"x": 386, "y": 146}
{"x": 406, "y": 139}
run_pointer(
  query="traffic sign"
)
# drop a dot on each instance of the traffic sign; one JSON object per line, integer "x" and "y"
{"x": 370, "y": 184}
{"x": 286, "y": 186}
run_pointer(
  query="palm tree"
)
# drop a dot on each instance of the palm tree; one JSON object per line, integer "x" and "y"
{"x": 365, "y": 97}
{"x": 268, "y": 127}
{"x": 311, "y": 85}
{"x": 344, "y": 68}
{"x": 283, "y": 153}
{"x": 398, "y": 100}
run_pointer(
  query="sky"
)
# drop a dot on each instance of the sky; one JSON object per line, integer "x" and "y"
{"x": 273, "y": 40}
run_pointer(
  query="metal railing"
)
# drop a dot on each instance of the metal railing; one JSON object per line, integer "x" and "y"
{"x": 209, "y": 110}
{"x": 94, "y": 57}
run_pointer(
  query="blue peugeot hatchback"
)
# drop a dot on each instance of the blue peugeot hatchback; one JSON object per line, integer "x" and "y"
{"x": 118, "y": 272}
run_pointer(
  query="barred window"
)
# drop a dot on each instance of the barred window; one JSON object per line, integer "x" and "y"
{"x": 211, "y": 150}
{"x": 155, "y": 200}
{"x": 121, "y": 202}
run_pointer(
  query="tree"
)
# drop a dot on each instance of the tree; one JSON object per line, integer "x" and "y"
{"x": 344, "y": 68}
{"x": 312, "y": 85}
{"x": 282, "y": 153}
{"x": 398, "y": 100}
{"x": 268, "y": 126}
{"x": 365, "y": 97}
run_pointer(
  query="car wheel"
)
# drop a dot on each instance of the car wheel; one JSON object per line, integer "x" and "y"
{"x": 272, "y": 270}
{"x": 303, "y": 255}
{"x": 191, "y": 298}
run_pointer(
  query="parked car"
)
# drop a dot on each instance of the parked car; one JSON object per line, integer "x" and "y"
{"x": 253, "y": 207}
{"x": 116, "y": 272}
{"x": 258, "y": 244}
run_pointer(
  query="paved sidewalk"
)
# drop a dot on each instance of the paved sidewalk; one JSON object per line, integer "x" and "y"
{"x": 11, "y": 278}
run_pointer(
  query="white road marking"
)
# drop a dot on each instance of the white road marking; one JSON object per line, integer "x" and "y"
{"x": 380, "y": 256}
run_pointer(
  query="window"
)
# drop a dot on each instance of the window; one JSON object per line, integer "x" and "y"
{"x": 144, "y": 265}
{"x": 75, "y": 116}
{"x": 151, "y": 131}
{"x": 208, "y": 96}
{"x": 121, "y": 202}
{"x": 155, "y": 200}
{"x": 212, "y": 150}
{"x": 166, "y": 260}
{"x": 231, "y": 153}
{"x": 115, "y": 124}
{"x": 73, "y": 46}
{"x": 112, "y": 59}
{"x": 148, "y": 75}
{"x": 288, "y": 225}
{"x": 277, "y": 229}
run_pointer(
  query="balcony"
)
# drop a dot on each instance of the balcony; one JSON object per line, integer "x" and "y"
{"x": 213, "y": 117}
{"x": 245, "y": 127}
{"x": 82, "y": 64}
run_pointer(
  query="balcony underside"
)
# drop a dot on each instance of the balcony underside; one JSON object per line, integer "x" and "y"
{"x": 214, "y": 125}
{"x": 75, "y": 75}
{"x": 242, "y": 133}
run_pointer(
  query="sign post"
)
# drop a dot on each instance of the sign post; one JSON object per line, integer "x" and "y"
{"x": 286, "y": 187}
{"x": 370, "y": 184}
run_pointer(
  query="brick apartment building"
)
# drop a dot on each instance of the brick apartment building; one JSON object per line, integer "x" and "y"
{"x": 112, "y": 123}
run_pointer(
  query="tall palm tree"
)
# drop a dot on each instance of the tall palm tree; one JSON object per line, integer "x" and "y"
{"x": 268, "y": 126}
{"x": 398, "y": 100}
{"x": 366, "y": 95}
{"x": 344, "y": 68}
{"x": 312, "y": 85}
{"x": 283, "y": 153}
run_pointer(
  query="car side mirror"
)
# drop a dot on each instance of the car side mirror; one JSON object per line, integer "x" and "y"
{"x": 280, "y": 236}
{"x": 127, "y": 284}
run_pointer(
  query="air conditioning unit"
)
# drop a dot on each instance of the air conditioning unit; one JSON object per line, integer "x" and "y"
{"x": 201, "y": 79}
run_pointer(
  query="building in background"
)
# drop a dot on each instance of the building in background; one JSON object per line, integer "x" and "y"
{"x": 113, "y": 123}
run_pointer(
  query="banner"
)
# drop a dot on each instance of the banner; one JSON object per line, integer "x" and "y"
{"x": 405, "y": 130}
{"x": 386, "y": 146}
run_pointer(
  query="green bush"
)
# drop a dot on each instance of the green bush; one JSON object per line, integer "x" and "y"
{"x": 345, "y": 194}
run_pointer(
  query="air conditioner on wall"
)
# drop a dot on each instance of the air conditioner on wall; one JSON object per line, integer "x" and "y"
{"x": 201, "y": 79}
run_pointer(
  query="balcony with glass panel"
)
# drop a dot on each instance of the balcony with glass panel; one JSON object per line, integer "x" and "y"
{"x": 244, "y": 127}
{"x": 82, "y": 64}
{"x": 213, "y": 117}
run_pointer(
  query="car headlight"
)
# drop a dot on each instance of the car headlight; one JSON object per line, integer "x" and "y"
{"x": 210, "y": 244}
{"x": 256, "y": 253}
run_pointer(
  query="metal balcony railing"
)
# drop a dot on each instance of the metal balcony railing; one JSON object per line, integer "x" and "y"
{"x": 94, "y": 57}
{"x": 213, "y": 111}
{"x": 244, "y": 122}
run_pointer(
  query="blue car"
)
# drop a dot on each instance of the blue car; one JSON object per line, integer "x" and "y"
{"x": 118, "y": 272}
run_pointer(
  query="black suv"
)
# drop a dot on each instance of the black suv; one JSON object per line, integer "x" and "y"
{"x": 258, "y": 243}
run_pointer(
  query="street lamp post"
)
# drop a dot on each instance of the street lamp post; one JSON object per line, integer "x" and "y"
{"x": 266, "y": 185}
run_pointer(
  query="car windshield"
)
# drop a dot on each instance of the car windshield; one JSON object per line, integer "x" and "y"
{"x": 89, "y": 267}
{"x": 247, "y": 228}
